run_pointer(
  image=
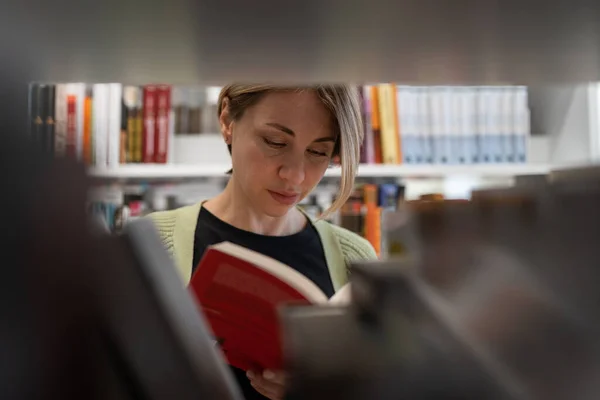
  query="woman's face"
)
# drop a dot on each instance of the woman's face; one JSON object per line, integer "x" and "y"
{"x": 281, "y": 148}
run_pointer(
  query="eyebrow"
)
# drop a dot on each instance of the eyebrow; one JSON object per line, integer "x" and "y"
{"x": 290, "y": 132}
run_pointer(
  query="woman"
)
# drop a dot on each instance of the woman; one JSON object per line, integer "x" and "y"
{"x": 281, "y": 141}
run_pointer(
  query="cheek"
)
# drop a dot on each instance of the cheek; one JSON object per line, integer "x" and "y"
{"x": 313, "y": 175}
{"x": 252, "y": 163}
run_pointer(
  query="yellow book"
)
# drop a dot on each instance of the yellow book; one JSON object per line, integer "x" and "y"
{"x": 390, "y": 143}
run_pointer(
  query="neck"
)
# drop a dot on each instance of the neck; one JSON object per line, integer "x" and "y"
{"x": 233, "y": 207}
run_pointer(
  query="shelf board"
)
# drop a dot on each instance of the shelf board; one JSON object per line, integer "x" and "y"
{"x": 176, "y": 172}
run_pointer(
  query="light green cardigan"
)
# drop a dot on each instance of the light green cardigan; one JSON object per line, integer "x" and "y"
{"x": 177, "y": 229}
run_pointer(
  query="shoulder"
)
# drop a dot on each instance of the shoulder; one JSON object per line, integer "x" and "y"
{"x": 167, "y": 222}
{"x": 164, "y": 222}
{"x": 354, "y": 247}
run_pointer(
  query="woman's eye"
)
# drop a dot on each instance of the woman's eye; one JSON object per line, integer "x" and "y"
{"x": 271, "y": 143}
{"x": 318, "y": 153}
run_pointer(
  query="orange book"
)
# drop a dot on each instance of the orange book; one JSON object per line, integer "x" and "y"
{"x": 376, "y": 124}
{"x": 87, "y": 131}
{"x": 372, "y": 227}
{"x": 240, "y": 291}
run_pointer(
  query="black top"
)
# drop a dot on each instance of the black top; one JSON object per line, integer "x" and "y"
{"x": 302, "y": 251}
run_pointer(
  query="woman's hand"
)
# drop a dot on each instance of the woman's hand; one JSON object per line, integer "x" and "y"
{"x": 270, "y": 383}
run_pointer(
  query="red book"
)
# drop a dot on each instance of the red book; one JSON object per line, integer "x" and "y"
{"x": 71, "y": 126}
{"x": 240, "y": 292}
{"x": 149, "y": 126}
{"x": 163, "y": 108}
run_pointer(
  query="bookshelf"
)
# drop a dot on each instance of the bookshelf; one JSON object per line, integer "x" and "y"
{"x": 183, "y": 172}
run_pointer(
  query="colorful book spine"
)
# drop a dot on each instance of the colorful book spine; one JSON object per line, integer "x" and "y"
{"x": 149, "y": 129}
{"x": 88, "y": 154}
{"x": 521, "y": 117}
{"x": 163, "y": 111}
{"x": 100, "y": 124}
{"x": 60, "y": 120}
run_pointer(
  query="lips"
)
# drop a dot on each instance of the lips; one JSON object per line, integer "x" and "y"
{"x": 286, "y": 198}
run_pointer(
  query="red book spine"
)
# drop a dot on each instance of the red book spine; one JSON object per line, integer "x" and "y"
{"x": 163, "y": 108}
{"x": 149, "y": 128}
{"x": 71, "y": 146}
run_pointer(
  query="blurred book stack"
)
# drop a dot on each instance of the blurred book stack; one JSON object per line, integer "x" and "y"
{"x": 501, "y": 301}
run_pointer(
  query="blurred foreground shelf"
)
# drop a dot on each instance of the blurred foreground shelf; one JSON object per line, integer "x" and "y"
{"x": 180, "y": 171}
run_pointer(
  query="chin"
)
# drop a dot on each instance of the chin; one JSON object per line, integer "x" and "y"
{"x": 277, "y": 210}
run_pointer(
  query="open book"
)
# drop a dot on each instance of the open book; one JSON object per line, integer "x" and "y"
{"x": 240, "y": 291}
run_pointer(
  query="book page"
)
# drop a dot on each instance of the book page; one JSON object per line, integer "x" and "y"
{"x": 342, "y": 296}
{"x": 278, "y": 270}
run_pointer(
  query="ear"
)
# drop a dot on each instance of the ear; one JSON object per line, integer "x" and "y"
{"x": 225, "y": 121}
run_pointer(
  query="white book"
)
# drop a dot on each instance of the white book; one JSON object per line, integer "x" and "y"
{"x": 460, "y": 118}
{"x": 485, "y": 128}
{"x": 456, "y": 153}
{"x": 437, "y": 124}
{"x": 412, "y": 105}
{"x": 405, "y": 135}
{"x": 100, "y": 93}
{"x": 495, "y": 128}
{"x": 447, "y": 125}
{"x": 60, "y": 120}
{"x": 506, "y": 128}
{"x": 115, "y": 96}
{"x": 469, "y": 126}
{"x": 522, "y": 123}
{"x": 424, "y": 124}
{"x": 171, "y": 148}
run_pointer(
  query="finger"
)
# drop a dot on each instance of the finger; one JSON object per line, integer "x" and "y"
{"x": 267, "y": 388}
{"x": 267, "y": 391}
{"x": 278, "y": 377}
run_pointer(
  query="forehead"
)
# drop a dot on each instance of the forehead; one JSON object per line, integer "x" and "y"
{"x": 302, "y": 111}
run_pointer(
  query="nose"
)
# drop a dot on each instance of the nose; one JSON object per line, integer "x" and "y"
{"x": 292, "y": 170}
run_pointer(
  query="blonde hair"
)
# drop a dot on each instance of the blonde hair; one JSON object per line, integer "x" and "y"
{"x": 343, "y": 103}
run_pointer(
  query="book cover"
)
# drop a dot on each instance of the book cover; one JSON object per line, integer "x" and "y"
{"x": 49, "y": 96}
{"x": 149, "y": 126}
{"x": 447, "y": 124}
{"x": 495, "y": 118}
{"x": 521, "y": 115}
{"x": 60, "y": 120}
{"x": 88, "y": 155}
{"x": 406, "y": 137}
{"x": 363, "y": 114}
{"x": 163, "y": 109}
{"x": 390, "y": 136}
{"x": 240, "y": 292}
{"x": 71, "y": 126}
{"x": 132, "y": 97}
{"x": 376, "y": 123}
{"x": 115, "y": 95}
{"x": 424, "y": 124}
{"x": 416, "y": 131}
{"x": 124, "y": 140}
{"x": 484, "y": 130}
{"x": 100, "y": 105}
{"x": 75, "y": 92}
{"x": 437, "y": 124}
{"x": 35, "y": 120}
{"x": 470, "y": 125}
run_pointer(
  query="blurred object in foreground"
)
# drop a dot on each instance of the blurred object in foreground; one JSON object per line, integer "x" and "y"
{"x": 91, "y": 316}
{"x": 502, "y": 302}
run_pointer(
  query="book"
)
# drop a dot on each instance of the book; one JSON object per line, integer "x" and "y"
{"x": 240, "y": 292}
